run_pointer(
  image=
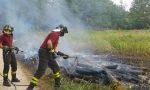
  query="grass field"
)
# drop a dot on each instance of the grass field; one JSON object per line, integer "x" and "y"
{"x": 135, "y": 43}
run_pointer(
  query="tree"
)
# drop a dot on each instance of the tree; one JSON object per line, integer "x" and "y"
{"x": 140, "y": 14}
{"x": 98, "y": 13}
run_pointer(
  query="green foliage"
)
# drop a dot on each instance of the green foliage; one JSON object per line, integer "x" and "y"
{"x": 73, "y": 85}
{"x": 98, "y": 13}
{"x": 104, "y": 14}
{"x": 140, "y": 14}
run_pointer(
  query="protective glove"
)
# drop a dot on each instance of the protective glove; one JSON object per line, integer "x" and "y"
{"x": 17, "y": 49}
{"x": 60, "y": 53}
{"x": 63, "y": 55}
{"x": 50, "y": 50}
{"x": 51, "y": 53}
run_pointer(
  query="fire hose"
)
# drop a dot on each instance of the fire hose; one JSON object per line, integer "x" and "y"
{"x": 74, "y": 65}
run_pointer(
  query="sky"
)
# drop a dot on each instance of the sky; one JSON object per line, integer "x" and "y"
{"x": 126, "y": 3}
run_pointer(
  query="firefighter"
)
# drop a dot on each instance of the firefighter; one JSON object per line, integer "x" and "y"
{"x": 6, "y": 40}
{"x": 47, "y": 55}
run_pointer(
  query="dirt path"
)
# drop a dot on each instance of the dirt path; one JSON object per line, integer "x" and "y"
{"x": 22, "y": 74}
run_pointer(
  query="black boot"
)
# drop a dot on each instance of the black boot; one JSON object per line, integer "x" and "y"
{"x": 6, "y": 82}
{"x": 14, "y": 79}
{"x": 57, "y": 83}
{"x": 30, "y": 87}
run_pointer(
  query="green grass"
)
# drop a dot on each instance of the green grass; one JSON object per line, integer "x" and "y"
{"x": 73, "y": 85}
{"x": 135, "y": 43}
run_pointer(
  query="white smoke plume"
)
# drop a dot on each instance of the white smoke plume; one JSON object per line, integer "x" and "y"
{"x": 32, "y": 17}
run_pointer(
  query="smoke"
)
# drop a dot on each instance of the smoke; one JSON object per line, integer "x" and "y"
{"x": 30, "y": 18}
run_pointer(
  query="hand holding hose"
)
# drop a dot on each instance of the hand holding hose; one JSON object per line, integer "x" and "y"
{"x": 65, "y": 56}
{"x": 16, "y": 48}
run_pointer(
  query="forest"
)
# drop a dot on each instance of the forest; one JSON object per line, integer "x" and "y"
{"x": 104, "y": 14}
